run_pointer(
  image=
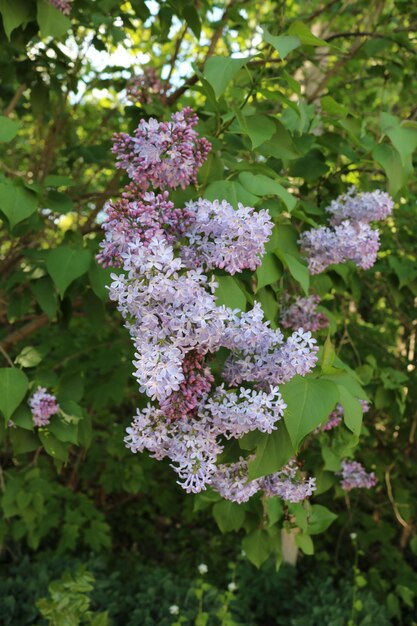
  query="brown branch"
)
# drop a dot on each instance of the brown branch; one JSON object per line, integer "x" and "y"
{"x": 24, "y": 331}
{"x": 13, "y": 102}
{"x": 174, "y": 58}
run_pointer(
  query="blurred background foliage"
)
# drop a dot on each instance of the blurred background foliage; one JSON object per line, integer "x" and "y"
{"x": 300, "y": 100}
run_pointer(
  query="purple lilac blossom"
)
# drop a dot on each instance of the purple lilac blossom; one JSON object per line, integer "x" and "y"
{"x": 145, "y": 87}
{"x": 362, "y": 206}
{"x": 354, "y": 476}
{"x": 172, "y": 313}
{"x": 288, "y": 485}
{"x": 346, "y": 242}
{"x": 163, "y": 154}
{"x": 142, "y": 216}
{"x": 43, "y": 405}
{"x": 64, "y": 6}
{"x": 232, "y": 482}
{"x": 170, "y": 308}
{"x": 223, "y": 237}
{"x": 350, "y": 237}
{"x": 302, "y": 313}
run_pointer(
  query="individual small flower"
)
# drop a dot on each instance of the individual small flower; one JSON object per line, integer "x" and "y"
{"x": 302, "y": 313}
{"x": 354, "y": 476}
{"x": 362, "y": 206}
{"x": 163, "y": 154}
{"x": 145, "y": 86}
{"x": 353, "y": 536}
{"x": 232, "y": 587}
{"x": 64, "y": 6}
{"x": 43, "y": 406}
{"x": 174, "y": 609}
{"x": 202, "y": 568}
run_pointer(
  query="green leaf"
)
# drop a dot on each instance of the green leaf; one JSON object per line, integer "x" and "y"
{"x": 65, "y": 264}
{"x": 23, "y": 441}
{"x": 259, "y": 128}
{"x": 211, "y": 170}
{"x": 16, "y": 202}
{"x": 269, "y": 271}
{"x": 8, "y": 129}
{"x": 262, "y": 185}
{"x": 297, "y": 269}
{"x": 352, "y": 410}
{"x": 219, "y": 71}
{"x": 269, "y": 304}
{"x": 100, "y": 279}
{"x": 283, "y": 44}
{"x": 310, "y": 167}
{"x": 63, "y": 431}
{"x": 275, "y": 508}
{"x": 228, "y": 515}
{"x": 281, "y": 145}
{"x": 405, "y": 269}
{"x": 23, "y": 418}
{"x": 29, "y": 357}
{"x": 231, "y": 191}
{"x": 388, "y": 157}
{"x": 305, "y": 543}
{"x": 59, "y": 202}
{"x": 55, "y": 448}
{"x": 319, "y": 519}
{"x": 229, "y": 293}
{"x": 14, "y": 13}
{"x": 52, "y": 23}
{"x": 403, "y": 138}
{"x": 189, "y": 13}
{"x": 257, "y": 546}
{"x": 309, "y": 402}
{"x": 273, "y": 451}
{"x": 305, "y": 35}
{"x": 45, "y": 295}
{"x": 329, "y": 105}
{"x": 13, "y": 387}
{"x": 328, "y": 355}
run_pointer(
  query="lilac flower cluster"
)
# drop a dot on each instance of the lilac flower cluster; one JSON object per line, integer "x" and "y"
{"x": 350, "y": 238}
{"x": 134, "y": 217}
{"x": 364, "y": 207}
{"x": 43, "y": 405}
{"x": 232, "y": 482}
{"x": 64, "y": 6}
{"x": 146, "y": 86}
{"x": 354, "y": 476}
{"x": 226, "y": 238}
{"x": 302, "y": 313}
{"x": 170, "y": 308}
{"x": 163, "y": 154}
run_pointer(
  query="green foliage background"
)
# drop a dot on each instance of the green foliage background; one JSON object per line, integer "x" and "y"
{"x": 300, "y": 100}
